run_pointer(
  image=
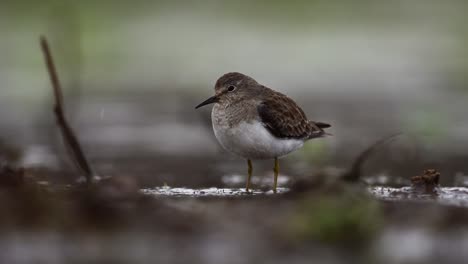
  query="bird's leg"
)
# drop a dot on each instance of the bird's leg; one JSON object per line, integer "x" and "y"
{"x": 249, "y": 171}
{"x": 276, "y": 171}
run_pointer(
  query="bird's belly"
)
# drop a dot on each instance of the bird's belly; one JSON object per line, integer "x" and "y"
{"x": 254, "y": 141}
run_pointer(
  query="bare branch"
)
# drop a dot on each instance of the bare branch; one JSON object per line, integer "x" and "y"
{"x": 355, "y": 171}
{"x": 71, "y": 141}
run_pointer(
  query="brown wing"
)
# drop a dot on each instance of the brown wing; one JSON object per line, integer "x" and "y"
{"x": 285, "y": 119}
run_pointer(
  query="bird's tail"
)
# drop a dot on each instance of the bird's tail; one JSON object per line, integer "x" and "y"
{"x": 321, "y": 126}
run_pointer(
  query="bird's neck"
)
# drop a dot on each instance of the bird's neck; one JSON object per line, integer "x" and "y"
{"x": 235, "y": 112}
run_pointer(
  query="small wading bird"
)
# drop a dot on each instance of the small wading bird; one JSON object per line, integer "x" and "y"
{"x": 256, "y": 122}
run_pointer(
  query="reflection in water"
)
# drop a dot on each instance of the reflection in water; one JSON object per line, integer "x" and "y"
{"x": 207, "y": 192}
{"x": 237, "y": 179}
{"x": 455, "y": 196}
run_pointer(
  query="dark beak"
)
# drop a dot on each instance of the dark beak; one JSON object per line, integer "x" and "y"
{"x": 210, "y": 100}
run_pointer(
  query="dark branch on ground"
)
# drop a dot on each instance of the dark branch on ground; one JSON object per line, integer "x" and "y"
{"x": 70, "y": 139}
{"x": 355, "y": 171}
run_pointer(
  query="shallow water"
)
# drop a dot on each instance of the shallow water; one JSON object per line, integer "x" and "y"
{"x": 454, "y": 196}
{"x": 207, "y": 192}
{"x": 237, "y": 179}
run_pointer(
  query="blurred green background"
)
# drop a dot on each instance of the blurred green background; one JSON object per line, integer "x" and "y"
{"x": 132, "y": 73}
{"x": 133, "y": 70}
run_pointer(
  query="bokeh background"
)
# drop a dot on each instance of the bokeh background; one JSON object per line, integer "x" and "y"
{"x": 133, "y": 71}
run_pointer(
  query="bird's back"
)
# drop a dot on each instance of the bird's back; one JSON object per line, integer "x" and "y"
{"x": 285, "y": 119}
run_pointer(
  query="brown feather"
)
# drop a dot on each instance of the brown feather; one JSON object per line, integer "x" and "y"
{"x": 285, "y": 119}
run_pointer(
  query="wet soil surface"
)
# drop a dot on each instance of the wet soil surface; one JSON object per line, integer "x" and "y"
{"x": 176, "y": 198}
{"x": 455, "y": 196}
{"x": 208, "y": 192}
{"x": 117, "y": 221}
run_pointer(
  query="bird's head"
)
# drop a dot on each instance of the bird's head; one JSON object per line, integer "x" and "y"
{"x": 233, "y": 87}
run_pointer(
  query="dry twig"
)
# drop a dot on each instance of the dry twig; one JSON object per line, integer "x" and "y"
{"x": 70, "y": 139}
{"x": 355, "y": 171}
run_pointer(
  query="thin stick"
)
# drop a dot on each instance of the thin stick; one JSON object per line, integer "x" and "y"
{"x": 355, "y": 171}
{"x": 71, "y": 141}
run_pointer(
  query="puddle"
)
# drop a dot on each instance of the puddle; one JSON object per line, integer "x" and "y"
{"x": 237, "y": 179}
{"x": 454, "y": 196}
{"x": 207, "y": 192}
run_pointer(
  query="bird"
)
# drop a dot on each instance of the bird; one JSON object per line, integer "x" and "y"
{"x": 258, "y": 123}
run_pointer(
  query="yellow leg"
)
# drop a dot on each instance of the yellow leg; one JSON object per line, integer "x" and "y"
{"x": 249, "y": 164}
{"x": 276, "y": 170}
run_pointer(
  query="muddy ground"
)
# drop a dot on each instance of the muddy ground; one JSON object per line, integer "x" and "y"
{"x": 132, "y": 72}
{"x": 168, "y": 194}
{"x": 117, "y": 222}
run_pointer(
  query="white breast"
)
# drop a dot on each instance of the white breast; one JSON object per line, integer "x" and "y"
{"x": 253, "y": 141}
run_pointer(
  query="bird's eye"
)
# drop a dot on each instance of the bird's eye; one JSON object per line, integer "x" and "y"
{"x": 231, "y": 88}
